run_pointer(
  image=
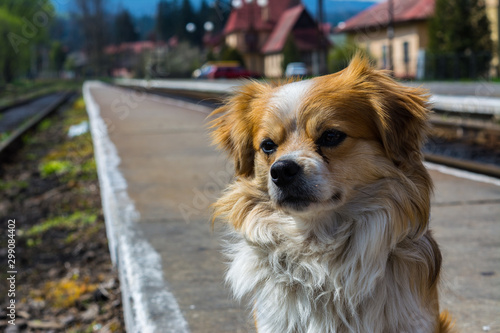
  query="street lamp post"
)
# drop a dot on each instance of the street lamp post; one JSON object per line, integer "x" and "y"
{"x": 318, "y": 57}
{"x": 390, "y": 36}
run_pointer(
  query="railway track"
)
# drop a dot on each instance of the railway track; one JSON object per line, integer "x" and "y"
{"x": 18, "y": 119}
{"x": 465, "y": 143}
{"x": 468, "y": 142}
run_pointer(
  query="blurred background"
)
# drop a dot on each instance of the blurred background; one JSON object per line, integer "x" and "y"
{"x": 425, "y": 39}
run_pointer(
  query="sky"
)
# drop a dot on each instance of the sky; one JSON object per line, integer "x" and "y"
{"x": 148, "y": 7}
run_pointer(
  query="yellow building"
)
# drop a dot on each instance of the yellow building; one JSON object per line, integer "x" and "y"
{"x": 369, "y": 30}
{"x": 410, "y": 17}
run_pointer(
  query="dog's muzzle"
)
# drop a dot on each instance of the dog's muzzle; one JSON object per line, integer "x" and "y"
{"x": 290, "y": 185}
{"x": 285, "y": 172}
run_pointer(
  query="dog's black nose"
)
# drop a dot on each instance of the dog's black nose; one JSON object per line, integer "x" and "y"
{"x": 284, "y": 172}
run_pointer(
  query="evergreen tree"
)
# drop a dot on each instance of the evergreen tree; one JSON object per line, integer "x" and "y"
{"x": 93, "y": 21}
{"x": 172, "y": 19}
{"x": 481, "y": 25}
{"x": 204, "y": 13}
{"x": 124, "y": 28}
{"x": 460, "y": 38}
{"x": 217, "y": 13}
{"x": 186, "y": 15}
{"x": 290, "y": 52}
{"x": 167, "y": 19}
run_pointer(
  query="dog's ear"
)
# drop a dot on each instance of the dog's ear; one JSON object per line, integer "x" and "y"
{"x": 401, "y": 117}
{"x": 401, "y": 112}
{"x": 235, "y": 125}
{"x": 402, "y": 121}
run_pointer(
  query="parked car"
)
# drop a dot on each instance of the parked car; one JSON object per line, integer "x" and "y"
{"x": 202, "y": 73}
{"x": 221, "y": 72}
{"x": 296, "y": 69}
{"x": 209, "y": 67}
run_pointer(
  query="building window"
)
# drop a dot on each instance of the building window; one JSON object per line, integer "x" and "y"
{"x": 406, "y": 49}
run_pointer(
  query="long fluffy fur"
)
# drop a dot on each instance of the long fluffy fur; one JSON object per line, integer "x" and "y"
{"x": 369, "y": 264}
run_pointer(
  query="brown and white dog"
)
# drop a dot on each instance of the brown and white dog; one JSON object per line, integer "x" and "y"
{"x": 329, "y": 210}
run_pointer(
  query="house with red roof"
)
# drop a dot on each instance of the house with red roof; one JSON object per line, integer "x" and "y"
{"x": 260, "y": 29}
{"x": 410, "y": 17}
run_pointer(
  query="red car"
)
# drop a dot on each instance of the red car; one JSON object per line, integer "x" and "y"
{"x": 220, "y": 72}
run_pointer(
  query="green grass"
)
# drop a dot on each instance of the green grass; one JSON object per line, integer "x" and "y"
{"x": 4, "y": 136}
{"x": 72, "y": 221}
{"x": 72, "y": 161}
{"x": 10, "y": 184}
{"x": 74, "y": 158}
{"x": 44, "y": 125}
{"x": 56, "y": 167}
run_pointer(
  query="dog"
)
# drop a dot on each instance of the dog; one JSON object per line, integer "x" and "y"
{"x": 328, "y": 213}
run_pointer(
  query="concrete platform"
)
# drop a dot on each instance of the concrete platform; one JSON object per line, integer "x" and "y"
{"x": 158, "y": 176}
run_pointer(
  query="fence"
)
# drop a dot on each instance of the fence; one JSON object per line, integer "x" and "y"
{"x": 453, "y": 66}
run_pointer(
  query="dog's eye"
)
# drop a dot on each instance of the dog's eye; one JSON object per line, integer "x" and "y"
{"x": 268, "y": 146}
{"x": 331, "y": 138}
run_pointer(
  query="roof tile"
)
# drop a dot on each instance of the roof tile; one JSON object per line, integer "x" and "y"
{"x": 378, "y": 14}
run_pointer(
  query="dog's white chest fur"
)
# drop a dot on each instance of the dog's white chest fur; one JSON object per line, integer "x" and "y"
{"x": 312, "y": 289}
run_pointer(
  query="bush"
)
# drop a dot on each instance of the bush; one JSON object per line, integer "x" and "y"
{"x": 229, "y": 54}
{"x": 290, "y": 52}
{"x": 180, "y": 61}
{"x": 340, "y": 56}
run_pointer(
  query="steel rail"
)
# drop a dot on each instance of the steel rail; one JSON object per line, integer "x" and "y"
{"x": 15, "y": 135}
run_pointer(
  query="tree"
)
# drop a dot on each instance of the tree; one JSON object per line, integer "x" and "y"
{"x": 186, "y": 15}
{"x": 460, "y": 30}
{"x": 290, "y": 52}
{"x": 9, "y": 25}
{"x": 480, "y": 24}
{"x": 180, "y": 61}
{"x": 210, "y": 56}
{"x": 218, "y": 14}
{"x": 23, "y": 29}
{"x": 230, "y": 54}
{"x": 167, "y": 19}
{"x": 340, "y": 56}
{"x": 57, "y": 56}
{"x": 124, "y": 28}
{"x": 92, "y": 21}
